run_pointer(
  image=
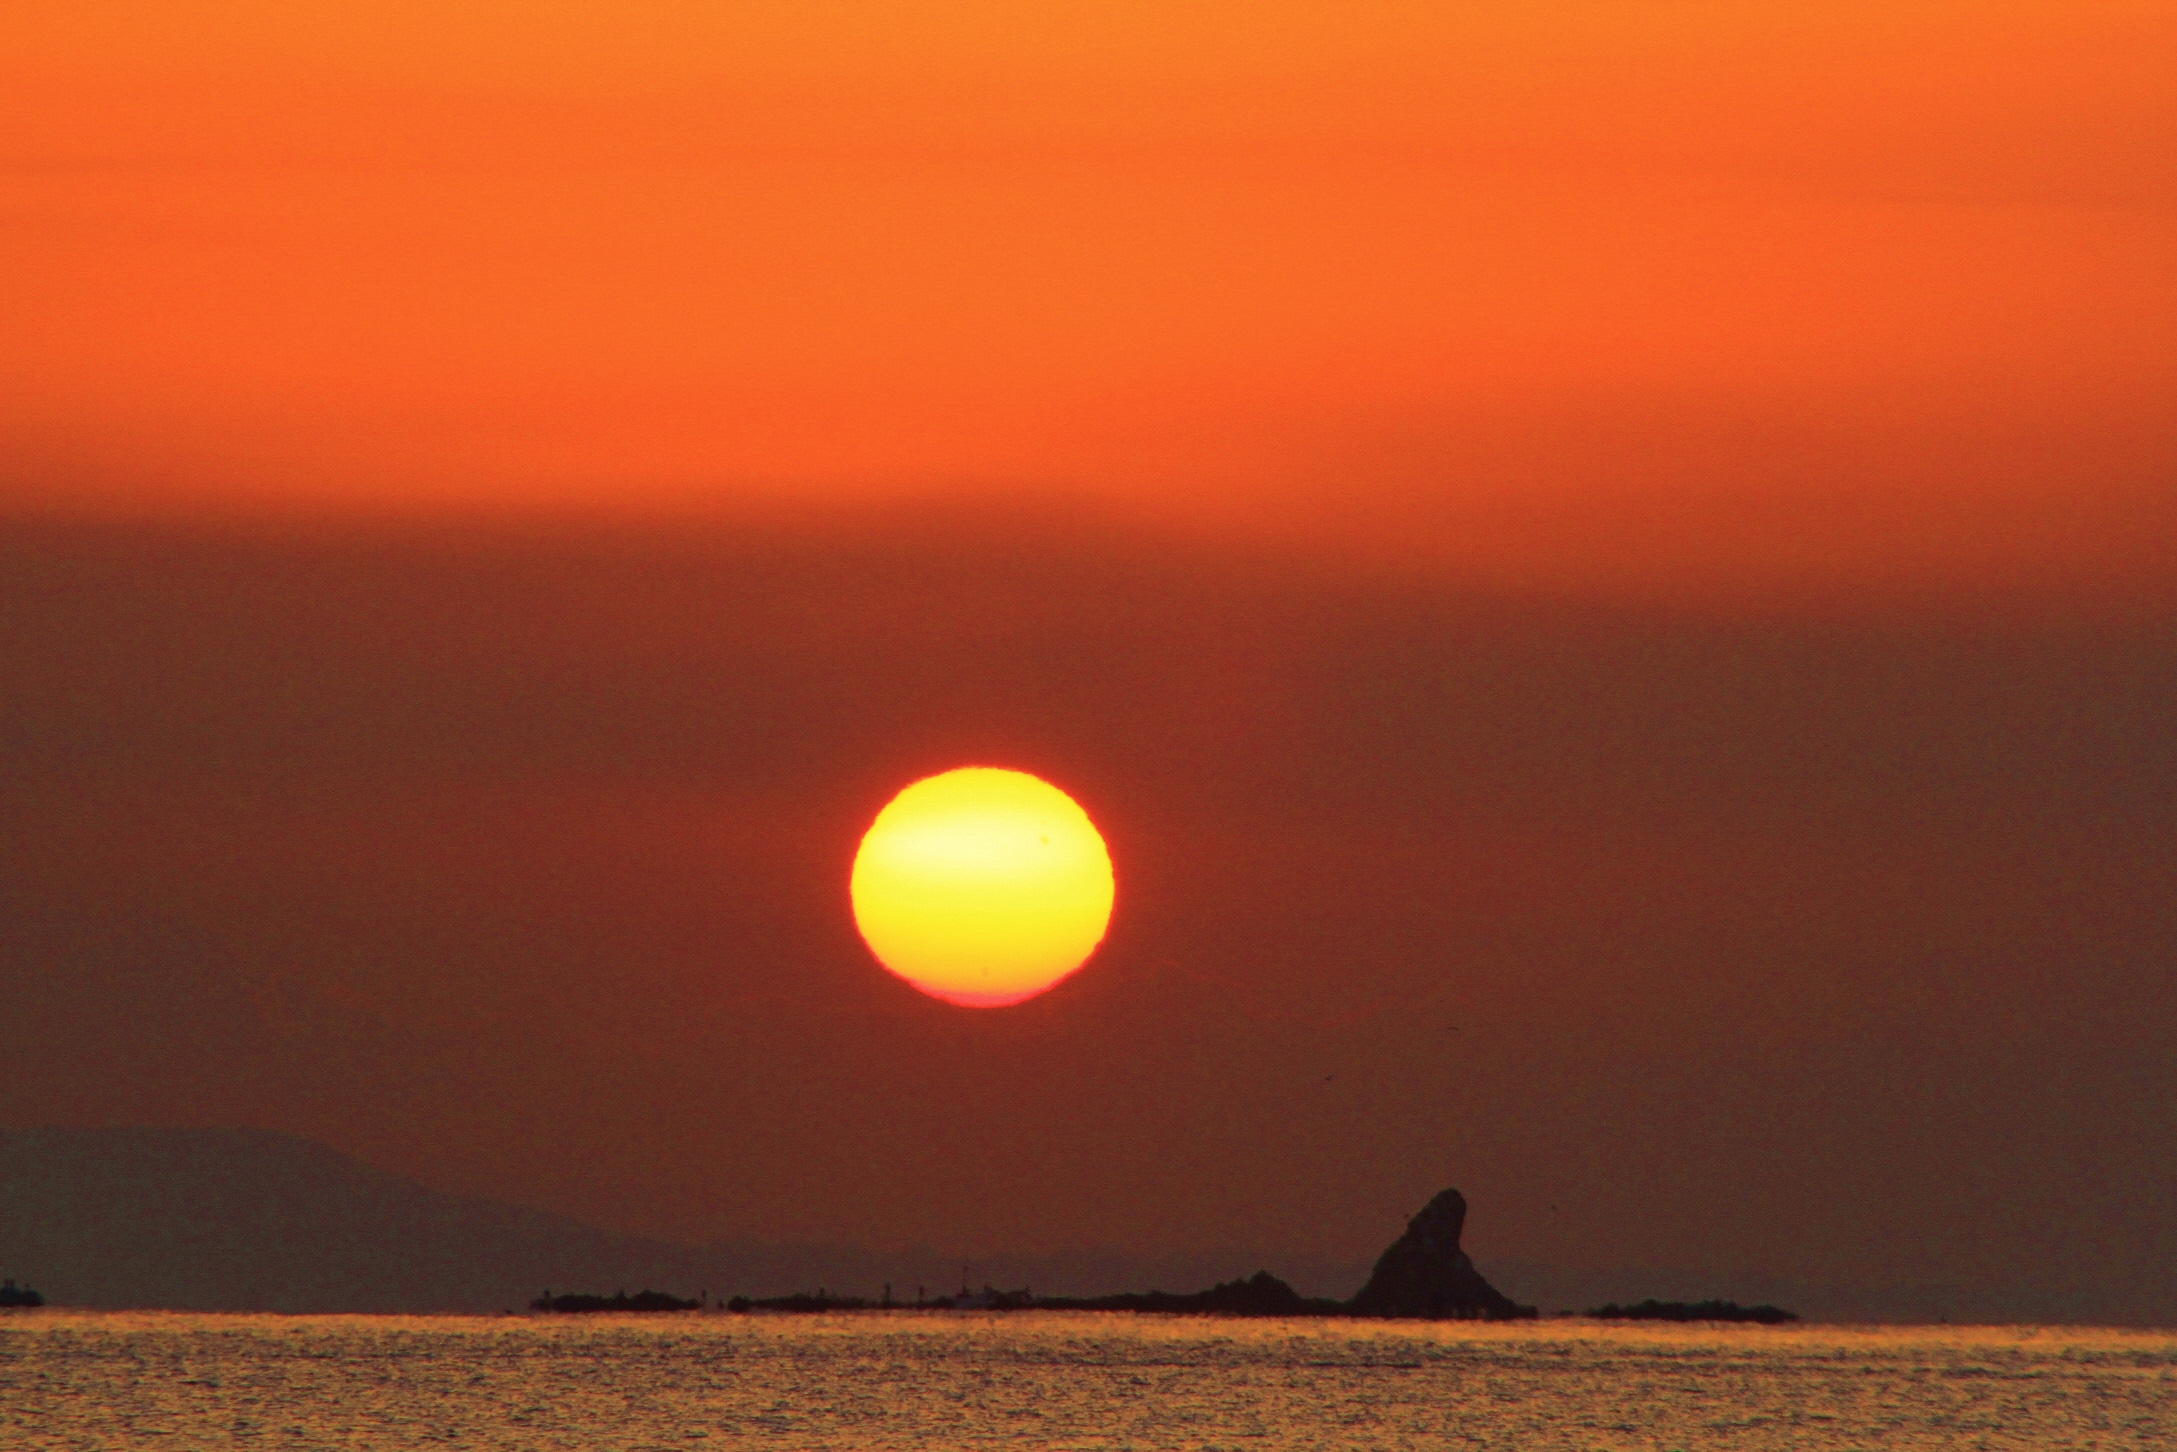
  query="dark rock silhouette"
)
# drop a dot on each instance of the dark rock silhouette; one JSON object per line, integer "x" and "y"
{"x": 1653, "y": 1310}
{"x": 13, "y": 1295}
{"x": 1424, "y": 1275}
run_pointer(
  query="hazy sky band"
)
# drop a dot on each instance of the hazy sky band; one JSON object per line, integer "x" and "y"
{"x": 1595, "y": 297}
{"x": 514, "y": 861}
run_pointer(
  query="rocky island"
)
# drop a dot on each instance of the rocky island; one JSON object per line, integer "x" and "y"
{"x": 1424, "y": 1275}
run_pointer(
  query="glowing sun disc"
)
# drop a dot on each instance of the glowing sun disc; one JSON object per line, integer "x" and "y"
{"x": 982, "y": 886}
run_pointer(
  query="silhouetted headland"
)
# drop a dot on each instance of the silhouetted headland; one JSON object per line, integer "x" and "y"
{"x": 1693, "y": 1311}
{"x": 1423, "y": 1275}
{"x": 13, "y": 1295}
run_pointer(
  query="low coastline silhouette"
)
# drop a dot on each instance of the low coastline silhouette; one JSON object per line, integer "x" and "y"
{"x": 1693, "y": 1311}
{"x": 13, "y": 1296}
{"x": 1424, "y": 1275}
{"x": 643, "y": 1300}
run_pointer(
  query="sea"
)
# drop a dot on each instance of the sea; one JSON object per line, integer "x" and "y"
{"x": 85, "y": 1380}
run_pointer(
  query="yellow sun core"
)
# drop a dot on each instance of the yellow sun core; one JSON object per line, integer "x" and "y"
{"x": 982, "y": 886}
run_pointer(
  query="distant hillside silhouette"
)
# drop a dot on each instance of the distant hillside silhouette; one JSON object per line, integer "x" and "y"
{"x": 242, "y": 1220}
{"x": 217, "y": 1219}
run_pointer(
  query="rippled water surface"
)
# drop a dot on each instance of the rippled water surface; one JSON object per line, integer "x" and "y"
{"x": 907, "y": 1380}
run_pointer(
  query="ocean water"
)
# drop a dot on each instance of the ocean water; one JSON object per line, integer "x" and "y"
{"x": 84, "y": 1380}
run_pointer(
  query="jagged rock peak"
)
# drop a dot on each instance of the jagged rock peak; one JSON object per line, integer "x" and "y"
{"x": 1425, "y": 1275}
{"x": 1439, "y": 1224}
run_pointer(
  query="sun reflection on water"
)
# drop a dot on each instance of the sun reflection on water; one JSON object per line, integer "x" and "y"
{"x": 85, "y": 1380}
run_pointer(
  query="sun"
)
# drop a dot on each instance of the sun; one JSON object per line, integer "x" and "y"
{"x": 982, "y": 886}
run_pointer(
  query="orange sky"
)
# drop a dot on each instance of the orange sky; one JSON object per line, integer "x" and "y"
{"x": 1630, "y": 294}
{"x": 423, "y": 838}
